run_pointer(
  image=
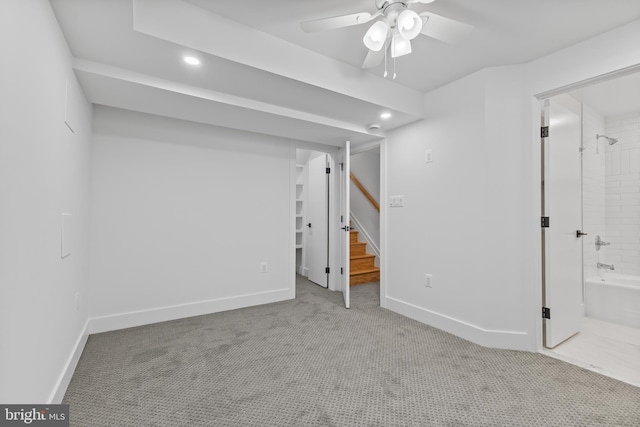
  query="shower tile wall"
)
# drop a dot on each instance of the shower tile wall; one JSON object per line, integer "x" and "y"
{"x": 622, "y": 169}
{"x": 593, "y": 188}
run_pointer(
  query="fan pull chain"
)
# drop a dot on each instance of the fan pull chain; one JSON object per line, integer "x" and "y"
{"x": 385, "y": 60}
{"x": 394, "y": 69}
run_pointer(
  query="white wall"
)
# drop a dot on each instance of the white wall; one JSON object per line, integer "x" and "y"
{"x": 44, "y": 172}
{"x": 182, "y": 216}
{"x": 461, "y": 220}
{"x": 365, "y": 166}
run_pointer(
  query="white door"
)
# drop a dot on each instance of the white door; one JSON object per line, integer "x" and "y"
{"x": 344, "y": 157}
{"x": 317, "y": 221}
{"x": 563, "y": 205}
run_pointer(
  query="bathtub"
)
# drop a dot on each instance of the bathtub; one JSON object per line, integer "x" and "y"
{"x": 613, "y": 298}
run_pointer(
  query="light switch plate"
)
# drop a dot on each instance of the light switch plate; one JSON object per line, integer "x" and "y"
{"x": 428, "y": 156}
{"x": 396, "y": 201}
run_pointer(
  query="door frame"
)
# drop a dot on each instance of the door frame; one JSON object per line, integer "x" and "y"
{"x": 334, "y": 214}
{"x": 535, "y": 120}
{"x": 382, "y": 145}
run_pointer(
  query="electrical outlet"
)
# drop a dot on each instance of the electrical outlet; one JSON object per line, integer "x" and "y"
{"x": 428, "y": 280}
{"x": 264, "y": 267}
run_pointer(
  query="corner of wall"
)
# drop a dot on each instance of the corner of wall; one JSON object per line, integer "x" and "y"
{"x": 69, "y": 368}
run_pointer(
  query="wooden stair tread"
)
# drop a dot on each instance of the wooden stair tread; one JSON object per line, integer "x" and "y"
{"x": 362, "y": 256}
{"x": 364, "y": 271}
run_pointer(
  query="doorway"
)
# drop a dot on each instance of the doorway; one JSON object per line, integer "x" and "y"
{"x": 602, "y": 324}
{"x": 321, "y": 209}
{"x": 312, "y": 216}
{"x": 365, "y": 214}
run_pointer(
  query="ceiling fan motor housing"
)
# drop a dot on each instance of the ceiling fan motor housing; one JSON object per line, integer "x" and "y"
{"x": 391, "y": 10}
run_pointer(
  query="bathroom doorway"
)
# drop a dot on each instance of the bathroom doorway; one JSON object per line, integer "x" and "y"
{"x": 603, "y": 330}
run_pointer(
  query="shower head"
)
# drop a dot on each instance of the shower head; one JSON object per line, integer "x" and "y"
{"x": 608, "y": 138}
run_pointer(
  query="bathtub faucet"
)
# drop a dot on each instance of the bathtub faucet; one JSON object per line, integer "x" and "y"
{"x": 606, "y": 266}
{"x": 600, "y": 243}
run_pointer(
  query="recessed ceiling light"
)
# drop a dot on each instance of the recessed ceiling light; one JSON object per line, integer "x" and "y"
{"x": 191, "y": 60}
{"x": 385, "y": 115}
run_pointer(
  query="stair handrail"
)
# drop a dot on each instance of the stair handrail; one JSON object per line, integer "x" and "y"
{"x": 365, "y": 192}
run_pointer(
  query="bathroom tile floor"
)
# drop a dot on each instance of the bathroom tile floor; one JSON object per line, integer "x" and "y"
{"x": 609, "y": 349}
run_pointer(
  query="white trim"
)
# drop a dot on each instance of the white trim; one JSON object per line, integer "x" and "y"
{"x": 632, "y": 69}
{"x": 64, "y": 379}
{"x": 370, "y": 243}
{"x": 511, "y": 340}
{"x": 383, "y": 223}
{"x": 293, "y": 178}
{"x": 361, "y": 148}
{"x": 334, "y": 231}
{"x": 180, "y": 311}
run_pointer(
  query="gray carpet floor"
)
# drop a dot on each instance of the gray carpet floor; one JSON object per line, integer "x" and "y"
{"x": 310, "y": 362}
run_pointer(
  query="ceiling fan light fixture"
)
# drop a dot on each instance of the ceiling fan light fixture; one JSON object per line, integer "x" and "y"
{"x": 376, "y": 36}
{"x": 400, "y": 47}
{"x": 409, "y": 24}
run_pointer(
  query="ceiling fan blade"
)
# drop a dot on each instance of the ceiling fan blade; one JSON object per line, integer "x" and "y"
{"x": 337, "y": 22}
{"x": 444, "y": 29}
{"x": 421, "y": 1}
{"x": 373, "y": 58}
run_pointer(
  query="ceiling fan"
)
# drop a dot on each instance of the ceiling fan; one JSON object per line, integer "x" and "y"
{"x": 395, "y": 29}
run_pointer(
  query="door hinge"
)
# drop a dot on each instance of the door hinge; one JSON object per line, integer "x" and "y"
{"x": 328, "y": 170}
{"x": 546, "y": 313}
{"x": 341, "y": 270}
{"x": 341, "y": 166}
{"x": 341, "y": 219}
{"x": 544, "y": 131}
{"x": 327, "y": 270}
{"x": 544, "y": 222}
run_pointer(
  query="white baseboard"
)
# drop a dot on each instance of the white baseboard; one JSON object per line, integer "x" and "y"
{"x": 67, "y": 373}
{"x": 163, "y": 314}
{"x": 510, "y": 340}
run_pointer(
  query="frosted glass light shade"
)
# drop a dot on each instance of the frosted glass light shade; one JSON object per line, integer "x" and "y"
{"x": 400, "y": 47}
{"x": 409, "y": 24}
{"x": 376, "y": 36}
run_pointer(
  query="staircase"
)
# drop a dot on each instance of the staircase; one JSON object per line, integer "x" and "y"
{"x": 362, "y": 265}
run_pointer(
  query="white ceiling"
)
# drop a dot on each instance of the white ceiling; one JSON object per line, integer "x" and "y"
{"x": 262, "y": 73}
